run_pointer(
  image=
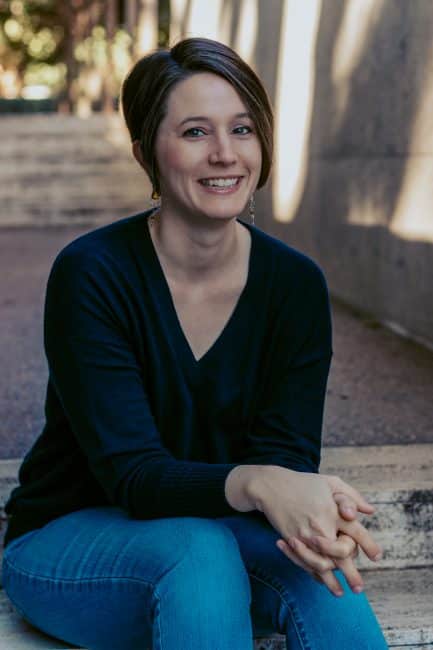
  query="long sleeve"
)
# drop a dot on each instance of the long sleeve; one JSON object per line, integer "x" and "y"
{"x": 287, "y": 428}
{"x": 100, "y": 384}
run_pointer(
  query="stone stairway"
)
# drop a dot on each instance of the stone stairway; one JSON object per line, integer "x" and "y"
{"x": 398, "y": 480}
{"x": 60, "y": 169}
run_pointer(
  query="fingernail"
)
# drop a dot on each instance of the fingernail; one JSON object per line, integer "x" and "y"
{"x": 378, "y": 557}
{"x": 338, "y": 593}
{"x": 349, "y": 510}
{"x": 358, "y": 589}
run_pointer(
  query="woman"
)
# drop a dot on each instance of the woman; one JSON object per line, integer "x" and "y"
{"x": 173, "y": 498}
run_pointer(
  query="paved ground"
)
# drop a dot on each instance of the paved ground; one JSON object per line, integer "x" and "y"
{"x": 380, "y": 389}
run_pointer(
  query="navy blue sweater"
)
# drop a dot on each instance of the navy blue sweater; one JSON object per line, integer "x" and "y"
{"x": 133, "y": 420}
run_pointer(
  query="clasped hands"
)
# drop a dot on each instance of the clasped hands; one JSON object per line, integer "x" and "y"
{"x": 320, "y": 556}
{"x": 319, "y": 526}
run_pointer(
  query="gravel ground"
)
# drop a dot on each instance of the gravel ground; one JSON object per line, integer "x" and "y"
{"x": 380, "y": 389}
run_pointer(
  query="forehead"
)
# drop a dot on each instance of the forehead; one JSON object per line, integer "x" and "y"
{"x": 203, "y": 94}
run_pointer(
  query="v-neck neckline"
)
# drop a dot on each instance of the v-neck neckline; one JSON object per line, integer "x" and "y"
{"x": 165, "y": 298}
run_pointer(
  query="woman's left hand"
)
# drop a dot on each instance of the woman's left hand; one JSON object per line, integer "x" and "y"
{"x": 349, "y": 502}
{"x": 320, "y": 556}
{"x": 348, "y": 499}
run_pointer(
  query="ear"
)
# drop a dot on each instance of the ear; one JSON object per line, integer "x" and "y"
{"x": 136, "y": 150}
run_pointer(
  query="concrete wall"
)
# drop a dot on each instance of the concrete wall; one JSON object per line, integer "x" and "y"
{"x": 352, "y": 86}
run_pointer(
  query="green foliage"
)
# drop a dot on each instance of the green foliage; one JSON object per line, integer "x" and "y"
{"x": 93, "y": 51}
{"x": 62, "y": 46}
{"x": 30, "y": 41}
{"x": 29, "y": 31}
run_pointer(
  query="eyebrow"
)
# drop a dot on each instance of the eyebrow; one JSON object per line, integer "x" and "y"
{"x": 203, "y": 118}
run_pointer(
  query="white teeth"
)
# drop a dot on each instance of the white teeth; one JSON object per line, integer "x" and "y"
{"x": 220, "y": 182}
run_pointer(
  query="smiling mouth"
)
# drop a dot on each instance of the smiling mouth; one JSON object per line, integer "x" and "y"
{"x": 221, "y": 182}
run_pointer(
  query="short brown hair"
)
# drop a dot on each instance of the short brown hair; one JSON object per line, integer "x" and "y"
{"x": 146, "y": 88}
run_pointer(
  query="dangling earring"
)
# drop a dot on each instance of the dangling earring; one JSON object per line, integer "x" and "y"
{"x": 156, "y": 203}
{"x": 251, "y": 208}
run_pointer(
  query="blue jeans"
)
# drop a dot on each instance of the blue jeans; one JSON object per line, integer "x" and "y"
{"x": 98, "y": 579}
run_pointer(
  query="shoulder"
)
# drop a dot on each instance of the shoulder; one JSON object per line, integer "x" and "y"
{"x": 103, "y": 247}
{"x": 294, "y": 271}
{"x": 300, "y": 301}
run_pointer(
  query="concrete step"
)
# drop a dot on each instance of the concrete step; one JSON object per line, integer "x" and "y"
{"x": 398, "y": 480}
{"x": 60, "y": 169}
{"x": 401, "y": 599}
{"x": 17, "y": 634}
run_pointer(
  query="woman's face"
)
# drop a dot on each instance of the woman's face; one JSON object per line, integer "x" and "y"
{"x": 208, "y": 153}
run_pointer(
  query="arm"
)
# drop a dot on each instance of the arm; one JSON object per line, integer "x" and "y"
{"x": 287, "y": 425}
{"x": 285, "y": 428}
{"x": 100, "y": 384}
{"x": 287, "y": 434}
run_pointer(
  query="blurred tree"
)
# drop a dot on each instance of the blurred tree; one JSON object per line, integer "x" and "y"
{"x": 78, "y": 50}
{"x": 164, "y": 23}
{"x": 30, "y": 45}
{"x": 78, "y": 19}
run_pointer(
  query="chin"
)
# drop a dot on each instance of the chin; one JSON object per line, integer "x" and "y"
{"x": 227, "y": 211}
{"x": 224, "y": 214}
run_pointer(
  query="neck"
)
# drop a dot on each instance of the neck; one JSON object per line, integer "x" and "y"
{"x": 196, "y": 253}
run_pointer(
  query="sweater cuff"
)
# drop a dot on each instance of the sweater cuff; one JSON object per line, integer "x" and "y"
{"x": 194, "y": 489}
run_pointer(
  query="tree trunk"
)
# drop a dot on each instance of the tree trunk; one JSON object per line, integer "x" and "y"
{"x": 147, "y": 28}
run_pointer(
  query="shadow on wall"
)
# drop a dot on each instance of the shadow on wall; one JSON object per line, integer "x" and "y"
{"x": 365, "y": 212}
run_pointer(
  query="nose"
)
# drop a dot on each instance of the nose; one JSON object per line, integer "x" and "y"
{"x": 223, "y": 150}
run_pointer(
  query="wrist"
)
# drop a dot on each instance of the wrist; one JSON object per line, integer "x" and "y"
{"x": 262, "y": 483}
{"x": 240, "y": 487}
{"x": 257, "y": 483}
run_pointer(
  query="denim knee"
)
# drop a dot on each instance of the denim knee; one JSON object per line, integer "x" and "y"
{"x": 209, "y": 568}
